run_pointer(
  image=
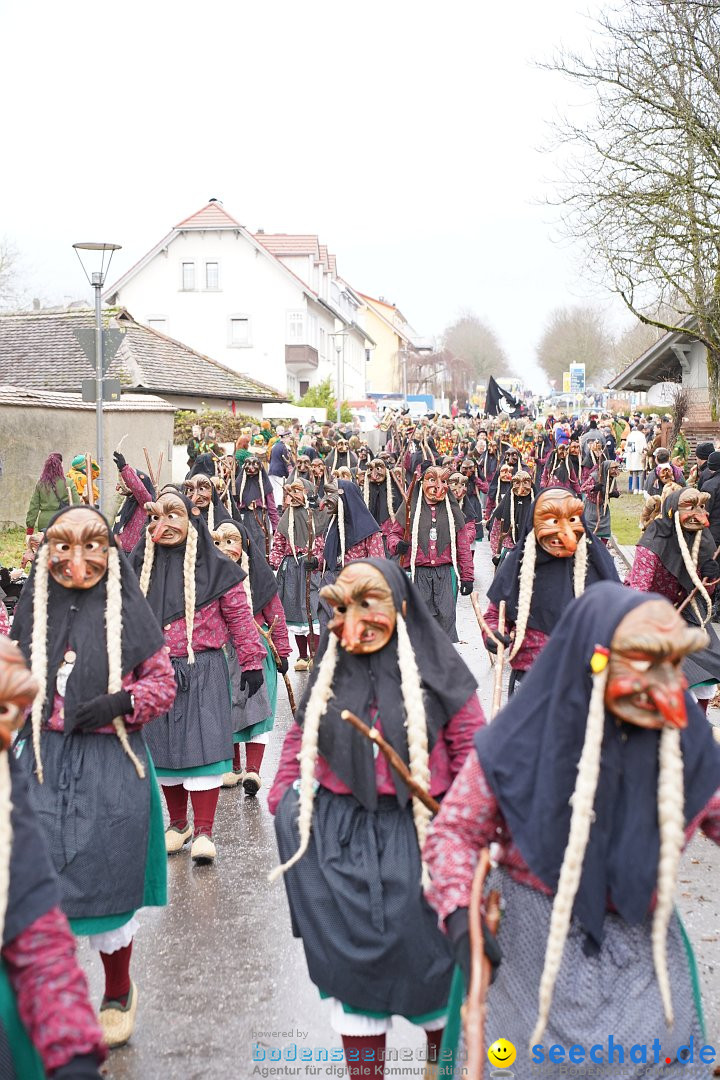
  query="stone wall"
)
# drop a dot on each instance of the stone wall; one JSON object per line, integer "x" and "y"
{"x": 29, "y": 432}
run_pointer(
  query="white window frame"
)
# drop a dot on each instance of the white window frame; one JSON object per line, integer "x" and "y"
{"x": 216, "y": 264}
{"x": 237, "y": 316}
{"x": 183, "y": 264}
{"x": 295, "y": 318}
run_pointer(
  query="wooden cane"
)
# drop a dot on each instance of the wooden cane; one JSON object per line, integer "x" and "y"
{"x": 393, "y": 758}
{"x": 308, "y": 583}
{"x": 497, "y": 689}
{"x": 89, "y": 495}
{"x": 160, "y": 465}
{"x": 267, "y": 634}
{"x": 475, "y": 1008}
{"x": 151, "y": 474}
{"x": 485, "y": 627}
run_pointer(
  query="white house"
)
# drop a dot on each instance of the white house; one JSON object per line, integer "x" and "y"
{"x": 249, "y": 303}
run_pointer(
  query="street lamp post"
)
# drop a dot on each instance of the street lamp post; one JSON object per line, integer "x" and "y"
{"x": 97, "y": 279}
{"x": 340, "y": 351}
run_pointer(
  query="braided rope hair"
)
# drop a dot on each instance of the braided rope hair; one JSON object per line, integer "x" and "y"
{"x": 366, "y": 489}
{"x": 417, "y": 736}
{"x": 453, "y": 536}
{"x": 147, "y": 565}
{"x": 242, "y": 487}
{"x": 38, "y": 651}
{"x": 314, "y": 712}
{"x": 189, "y": 586}
{"x": 341, "y": 525}
{"x": 291, "y": 531}
{"x": 245, "y": 564}
{"x": 113, "y": 637}
{"x": 211, "y": 517}
{"x": 690, "y": 561}
{"x": 389, "y": 494}
{"x": 580, "y": 566}
{"x": 671, "y": 820}
{"x": 525, "y": 590}
{"x": 414, "y": 536}
{"x": 582, "y": 801}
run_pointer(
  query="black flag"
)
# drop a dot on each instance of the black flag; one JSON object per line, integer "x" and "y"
{"x": 499, "y": 402}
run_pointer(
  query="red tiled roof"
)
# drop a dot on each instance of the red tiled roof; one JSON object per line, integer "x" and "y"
{"x": 212, "y": 216}
{"x": 285, "y": 244}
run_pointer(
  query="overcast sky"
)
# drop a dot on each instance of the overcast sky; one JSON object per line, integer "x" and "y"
{"x": 407, "y": 134}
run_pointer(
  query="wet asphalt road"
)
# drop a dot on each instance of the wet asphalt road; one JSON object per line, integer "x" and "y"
{"x": 218, "y": 970}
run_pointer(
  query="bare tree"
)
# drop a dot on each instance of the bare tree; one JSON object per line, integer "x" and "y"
{"x": 474, "y": 343}
{"x": 575, "y": 335}
{"x": 642, "y": 183}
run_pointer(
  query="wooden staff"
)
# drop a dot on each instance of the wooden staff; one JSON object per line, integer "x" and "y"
{"x": 497, "y": 689}
{"x": 267, "y": 634}
{"x": 89, "y": 496}
{"x": 485, "y": 627}
{"x": 308, "y": 576}
{"x": 475, "y": 1008}
{"x": 393, "y": 758}
{"x": 151, "y": 474}
{"x": 160, "y": 465}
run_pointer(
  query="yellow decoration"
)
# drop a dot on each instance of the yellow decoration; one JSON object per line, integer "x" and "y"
{"x": 599, "y": 661}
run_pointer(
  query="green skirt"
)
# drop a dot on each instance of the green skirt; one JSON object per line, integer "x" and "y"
{"x": 270, "y": 672}
{"x": 155, "y": 891}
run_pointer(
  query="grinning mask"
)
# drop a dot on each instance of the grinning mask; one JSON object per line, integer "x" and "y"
{"x": 646, "y": 685}
{"x": 378, "y": 471}
{"x": 17, "y": 690}
{"x": 505, "y": 473}
{"x": 522, "y": 483}
{"x": 364, "y": 614}
{"x": 317, "y": 468}
{"x": 341, "y": 446}
{"x": 303, "y": 464}
{"x": 557, "y": 521}
{"x": 294, "y": 494}
{"x": 692, "y": 509}
{"x": 562, "y": 451}
{"x": 199, "y": 491}
{"x": 228, "y": 540}
{"x": 169, "y": 521}
{"x": 252, "y": 466}
{"x": 458, "y": 485}
{"x": 79, "y": 543}
{"x": 435, "y": 484}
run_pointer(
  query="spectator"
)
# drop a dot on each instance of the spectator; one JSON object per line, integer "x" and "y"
{"x": 211, "y": 445}
{"x": 703, "y": 451}
{"x": 635, "y": 460}
{"x": 242, "y": 449}
{"x": 52, "y": 492}
{"x": 195, "y": 445}
{"x": 280, "y": 464}
{"x": 711, "y": 485}
{"x": 662, "y": 458}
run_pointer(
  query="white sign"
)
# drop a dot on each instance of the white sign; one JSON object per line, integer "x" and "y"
{"x": 662, "y": 393}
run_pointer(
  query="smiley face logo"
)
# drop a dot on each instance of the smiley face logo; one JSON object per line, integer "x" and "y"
{"x": 502, "y": 1053}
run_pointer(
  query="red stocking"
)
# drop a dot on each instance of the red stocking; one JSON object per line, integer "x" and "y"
{"x": 369, "y": 1054}
{"x": 254, "y": 753}
{"x": 704, "y": 704}
{"x": 204, "y": 804}
{"x": 302, "y": 644}
{"x": 237, "y": 764}
{"x": 434, "y": 1039}
{"x": 176, "y": 799}
{"x": 117, "y": 974}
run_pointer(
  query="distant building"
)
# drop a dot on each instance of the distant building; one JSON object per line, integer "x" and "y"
{"x": 394, "y": 338}
{"x": 265, "y": 306}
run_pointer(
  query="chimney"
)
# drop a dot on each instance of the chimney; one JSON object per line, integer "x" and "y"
{"x": 218, "y": 201}
{"x": 36, "y": 304}
{"x": 260, "y": 232}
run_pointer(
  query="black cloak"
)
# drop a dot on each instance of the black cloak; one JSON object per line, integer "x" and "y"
{"x": 359, "y": 523}
{"x": 530, "y": 755}
{"x": 76, "y": 621}
{"x": 363, "y": 681}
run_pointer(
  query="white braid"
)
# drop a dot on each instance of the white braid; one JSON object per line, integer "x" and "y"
{"x": 389, "y": 495}
{"x": 291, "y": 532}
{"x": 671, "y": 820}
{"x": 242, "y": 487}
{"x": 692, "y": 570}
{"x": 211, "y": 517}
{"x": 525, "y": 591}
{"x": 147, "y": 566}
{"x": 581, "y": 820}
{"x": 414, "y": 537}
{"x": 38, "y": 650}
{"x": 453, "y": 536}
{"x": 113, "y": 638}
{"x": 366, "y": 489}
{"x": 5, "y": 835}
{"x": 189, "y": 587}
{"x": 262, "y": 488}
{"x": 245, "y": 564}
{"x": 512, "y": 517}
{"x": 580, "y": 565}
{"x": 341, "y": 527}
{"x": 314, "y": 712}
{"x": 417, "y": 736}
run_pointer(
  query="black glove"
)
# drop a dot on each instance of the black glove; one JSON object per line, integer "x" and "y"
{"x": 614, "y": 494}
{"x": 311, "y": 562}
{"x": 598, "y": 487}
{"x": 253, "y": 680}
{"x": 402, "y": 547}
{"x": 81, "y": 1067}
{"x": 710, "y": 570}
{"x": 283, "y": 669}
{"x": 119, "y": 460}
{"x": 466, "y": 587}
{"x": 490, "y": 644}
{"x": 102, "y": 710}
{"x": 458, "y": 931}
{"x": 312, "y": 501}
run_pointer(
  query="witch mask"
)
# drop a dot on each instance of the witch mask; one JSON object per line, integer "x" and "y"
{"x": 229, "y": 541}
{"x": 199, "y": 491}
{"x": 377, "y": 472}
{"x": 169, "y": 520}
{"x": 557, "y": 521}
{"x": 79, "y": 544}
{"x": 364, "y": 614}
{"x": 692, "y": 509}
{"x": 522, "y": 483}
{"x": 646, "y": 685}
{"x": 294, "y": 494}
{"x": 17, "y": 690}
{"x": 435, "y": 484}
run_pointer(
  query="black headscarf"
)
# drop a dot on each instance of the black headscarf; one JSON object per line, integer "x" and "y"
{"x": 361, "y": 681}
{"x": 498, "y": 489}
{"x": 251, "y": 491}
{"x": 320, "y": 521}
{"x": 214, "y": 573}
{"x": 517, "y": 508}
{"x": 130, "y": 505}
{"x": 660, "y": 538}
{"x": 530, "y": 755}
{"x": 441, "y": 519}
{"x": 378, "y": 501}
{"x": 553, "y": 586}
{"x": 204, "y": 465}
{"x": 76, "y": 621}
{"x": 263, "y": 585}
{"x": 359, "y": 523}
{"x": 561, "y": 471}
